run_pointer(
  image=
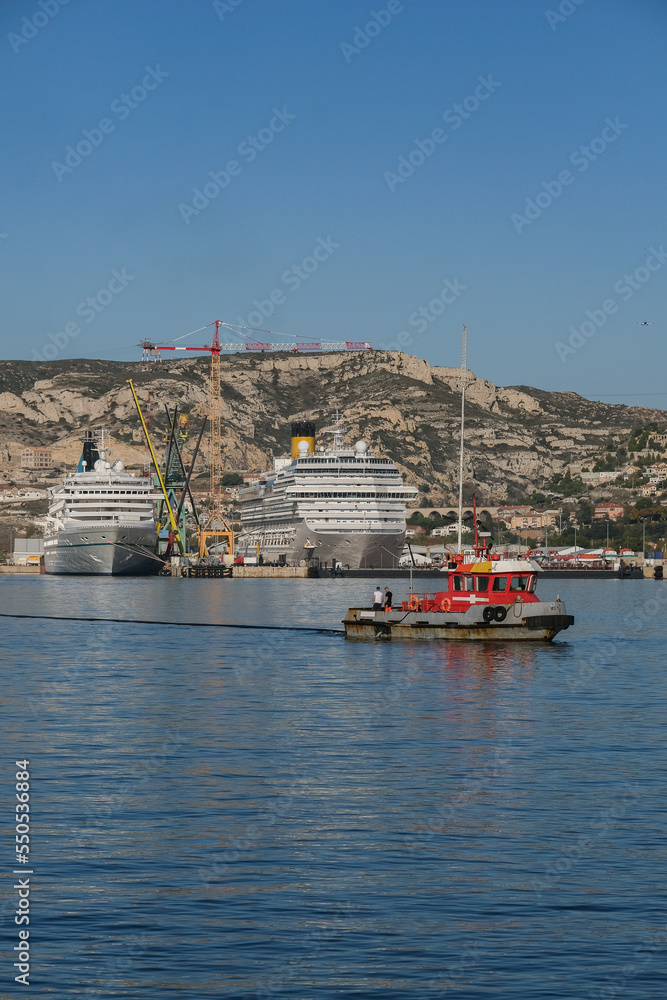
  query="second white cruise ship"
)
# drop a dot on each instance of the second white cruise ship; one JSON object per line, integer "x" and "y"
{"x": 101, "y": 518}
{"x": 337, "y": 506}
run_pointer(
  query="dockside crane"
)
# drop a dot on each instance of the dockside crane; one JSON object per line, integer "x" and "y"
{"x": 217, "y": 526}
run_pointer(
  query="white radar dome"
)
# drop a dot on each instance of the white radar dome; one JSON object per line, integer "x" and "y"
{"x": 361, "y": 447}
{"x": 99, "y": 464}
{"x": 118, "y": 466}
{"x": 303, "y": 447}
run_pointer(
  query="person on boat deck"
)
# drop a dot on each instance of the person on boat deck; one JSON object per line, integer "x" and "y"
{"x": 388, "y": 596}
{"x": 377, "y": 599}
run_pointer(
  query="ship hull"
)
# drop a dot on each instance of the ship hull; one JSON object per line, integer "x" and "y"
{"x": 103, "y": 550}
{"x": 535, "y": 622}
{"x": 349, "y": 550}
{"x": 511, "y": 633}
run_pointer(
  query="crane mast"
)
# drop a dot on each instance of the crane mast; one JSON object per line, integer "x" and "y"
{"x": 217, "y": 527}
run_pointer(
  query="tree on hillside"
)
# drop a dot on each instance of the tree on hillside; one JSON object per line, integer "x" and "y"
{"x": 231, "y": 479}
{"x": 585, "y": 512}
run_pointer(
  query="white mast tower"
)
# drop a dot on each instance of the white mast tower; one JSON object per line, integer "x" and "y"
{"x": 464, "y": 375}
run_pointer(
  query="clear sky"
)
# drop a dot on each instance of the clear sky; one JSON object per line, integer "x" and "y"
{"x": 387, "y": 171}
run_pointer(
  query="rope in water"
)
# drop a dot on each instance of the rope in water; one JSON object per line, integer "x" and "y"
{"x": 151, "y": 621}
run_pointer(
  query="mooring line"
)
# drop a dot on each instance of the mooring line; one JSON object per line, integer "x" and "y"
{"x": 151, "y": 621}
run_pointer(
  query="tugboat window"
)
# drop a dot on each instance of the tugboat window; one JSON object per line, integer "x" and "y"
{"x": 519, "y": 583}
{"x": 469, "y": 583}
{"x": 500, "y": 584}
{"x": 457, "y": 582}
{"x": 482, "y": 584}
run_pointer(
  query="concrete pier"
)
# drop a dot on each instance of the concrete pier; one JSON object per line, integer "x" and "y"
{"x": 285, "y": 572}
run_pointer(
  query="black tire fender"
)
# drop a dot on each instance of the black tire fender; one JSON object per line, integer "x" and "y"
{"x": 489, "y": 614}
{"x": 500, "y": 613}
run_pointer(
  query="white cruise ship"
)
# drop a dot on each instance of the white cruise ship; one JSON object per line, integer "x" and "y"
{"x": 336, "y": 506}
{"x": 101, "y": 518}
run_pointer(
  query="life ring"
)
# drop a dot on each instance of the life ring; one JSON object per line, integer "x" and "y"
{"x": 445, "y": 604}
{"x": 413, "y": 602}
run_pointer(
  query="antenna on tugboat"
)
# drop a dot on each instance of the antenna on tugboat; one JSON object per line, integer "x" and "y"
{"x": 474, "y": 517}
{"x": 464, "y": 372}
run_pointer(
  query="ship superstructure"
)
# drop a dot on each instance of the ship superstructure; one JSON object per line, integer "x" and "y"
{"x": 336, "y": 506}
{"x": 101, "y": 518}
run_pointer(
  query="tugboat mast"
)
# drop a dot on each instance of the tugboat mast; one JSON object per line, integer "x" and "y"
{"x": 464, "y": 372}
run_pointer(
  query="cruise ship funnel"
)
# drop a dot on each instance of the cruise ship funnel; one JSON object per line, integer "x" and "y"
{"x": 303, "y": 430}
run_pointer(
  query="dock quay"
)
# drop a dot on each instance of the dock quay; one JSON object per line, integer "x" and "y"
{"x": 282, "y": 572}
{"x": 202, "y": 571}
{"x": 197, "y": 570}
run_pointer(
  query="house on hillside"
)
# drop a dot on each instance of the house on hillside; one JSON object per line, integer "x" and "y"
{"x": 608, "y": 512}
{"x": 533, "y": 519}
{"x": 36, "y": 458}
{"x": 507, "y": 513}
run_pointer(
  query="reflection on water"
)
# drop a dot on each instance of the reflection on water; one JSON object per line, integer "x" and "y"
{"x": 293, "y": 815}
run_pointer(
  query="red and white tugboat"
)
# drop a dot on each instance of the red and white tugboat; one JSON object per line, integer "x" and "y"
{"x": 487, "y": 597}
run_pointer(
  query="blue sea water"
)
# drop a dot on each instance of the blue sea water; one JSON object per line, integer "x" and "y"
{"x": 291, "y": 815}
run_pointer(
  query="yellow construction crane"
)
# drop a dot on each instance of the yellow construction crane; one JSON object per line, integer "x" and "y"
{"x": 174, "y": 536}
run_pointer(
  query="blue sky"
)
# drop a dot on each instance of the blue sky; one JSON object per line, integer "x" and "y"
{"x": 304, "y": 111}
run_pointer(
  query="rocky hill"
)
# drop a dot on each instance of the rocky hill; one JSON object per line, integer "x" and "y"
{"x": 516, "y": 437}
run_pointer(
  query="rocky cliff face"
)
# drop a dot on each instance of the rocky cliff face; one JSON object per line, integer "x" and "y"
{"x": 406, "y": 409}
